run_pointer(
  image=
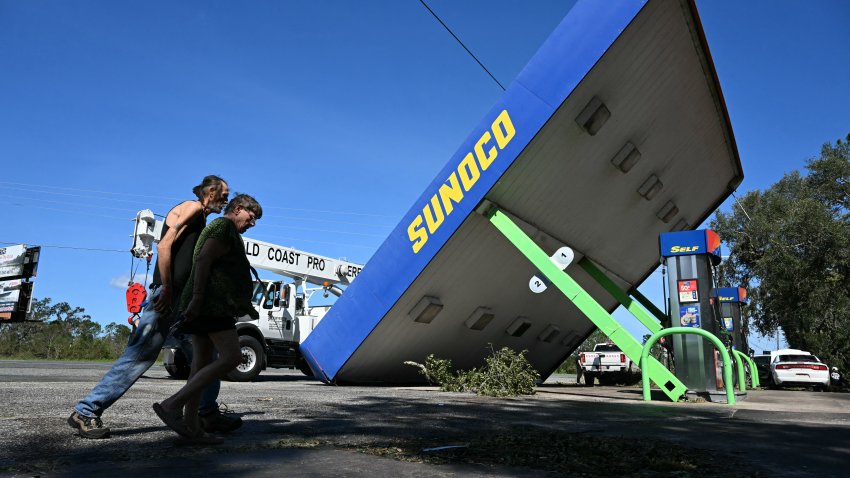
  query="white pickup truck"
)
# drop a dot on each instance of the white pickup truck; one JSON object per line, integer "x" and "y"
{"x": 607, "y": 363}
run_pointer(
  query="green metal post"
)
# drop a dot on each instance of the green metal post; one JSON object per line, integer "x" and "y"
{"x": 742, "y": 377}
{"x": 632, "y": 306}
{"x": 754, "y": 372}
{"x": 727, "y": 363}
{"x": 630, "y": 346}
{"x": 754, "y": 375}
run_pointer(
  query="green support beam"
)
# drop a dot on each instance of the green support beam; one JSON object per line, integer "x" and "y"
{"x": 661, "y": 316}
{"x": 631, "y": 305}
{"x": 652, "y": 368}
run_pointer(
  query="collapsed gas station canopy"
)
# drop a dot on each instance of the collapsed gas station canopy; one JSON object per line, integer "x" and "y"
{"x": 615, "y": 131}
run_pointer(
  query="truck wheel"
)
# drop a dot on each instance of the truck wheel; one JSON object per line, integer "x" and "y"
{"x": 176, "y": 364}
{"x": 304, "y": 368}
{"x": 252, "y": 360}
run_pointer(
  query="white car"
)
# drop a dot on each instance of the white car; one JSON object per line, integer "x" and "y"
{"x": 797, "y": 368}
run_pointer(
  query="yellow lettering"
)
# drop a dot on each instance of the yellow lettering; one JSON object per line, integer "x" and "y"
{"x": 432, "y": 223}
{"x": 503, "y": 137}
{"x": 451, "y": 193}
{"x": 417, "y": 234}
{"x": 468, "y": 171}
{"x": 684, "y": 248}
{"x": 485, "y": 161}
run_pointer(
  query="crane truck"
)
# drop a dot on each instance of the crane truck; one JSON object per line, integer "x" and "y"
{"x": 286, "y": 317}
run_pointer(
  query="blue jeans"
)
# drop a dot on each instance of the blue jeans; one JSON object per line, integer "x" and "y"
{"x": 140, "y": 354}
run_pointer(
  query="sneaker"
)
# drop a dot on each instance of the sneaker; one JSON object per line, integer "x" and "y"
{"x": 88, "y": 427}
{"x": 220, "y": 420}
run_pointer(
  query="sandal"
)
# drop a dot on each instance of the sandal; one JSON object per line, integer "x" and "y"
{"x": 173, "y": 420}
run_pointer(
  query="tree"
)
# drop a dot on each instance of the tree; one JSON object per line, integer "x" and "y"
{"x": 116, "y": 337}
{"x": 790, "y": 248}
{"x": 32, "y": 339}
{"x": 61, "y": 331}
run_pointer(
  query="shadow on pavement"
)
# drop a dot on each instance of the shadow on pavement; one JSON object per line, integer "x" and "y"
{"x": 756, "y": 444}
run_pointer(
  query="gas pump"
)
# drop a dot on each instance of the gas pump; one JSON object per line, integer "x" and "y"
{"x": 689, "y": 258}
{"x": 729, "y": 301}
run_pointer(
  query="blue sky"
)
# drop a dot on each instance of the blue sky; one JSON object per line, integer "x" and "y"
{"x": 334, "y": 114}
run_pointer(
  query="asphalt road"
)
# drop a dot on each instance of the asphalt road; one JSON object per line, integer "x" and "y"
{"x": 299, "y": 427}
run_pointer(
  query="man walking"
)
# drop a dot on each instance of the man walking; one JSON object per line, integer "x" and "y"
{"x": 183, "y": 225}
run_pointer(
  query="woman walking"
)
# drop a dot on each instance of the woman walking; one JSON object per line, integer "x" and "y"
{"x": 219, "y": 290}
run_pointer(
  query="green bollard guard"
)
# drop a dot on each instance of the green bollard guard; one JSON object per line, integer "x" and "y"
{"x": 727, "y": 362}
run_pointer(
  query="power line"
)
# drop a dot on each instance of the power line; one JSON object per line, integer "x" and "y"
{"x": 313, "y": 241}
{"x": 70, "y": 247}
{"x": 19, "y": 198}
{"x": 741, "y": 206}
{"x": 15, "y": 186}
{"x": 58, "y": 193}
{"x": 65, "y": 211}
{"x": 81, "y": 190}
{"x": 73, "y": 210}
{"x": 308, "y": 241}
{"x": 314, "y": 219}
{"x": 461, "y": 44}
{"x": 324, "y": 211}
{"x": 265, "y": 225}
{"x": 322, "y": 230}
{"x": 330, "y": 221}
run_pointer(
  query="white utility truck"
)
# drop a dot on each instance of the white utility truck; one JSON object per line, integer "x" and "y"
{"x": 286, "y": 317}
{"x": 607, "y": 363}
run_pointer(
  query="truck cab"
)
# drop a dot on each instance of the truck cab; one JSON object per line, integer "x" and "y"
{"x": 284, "y": 313}
{"x": 285, "y": 321}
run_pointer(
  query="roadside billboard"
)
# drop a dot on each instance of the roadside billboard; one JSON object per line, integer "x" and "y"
{"x": 15, "y": 299}
{"x": 12, "y": 260}
{"x": 18, "y": 263}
